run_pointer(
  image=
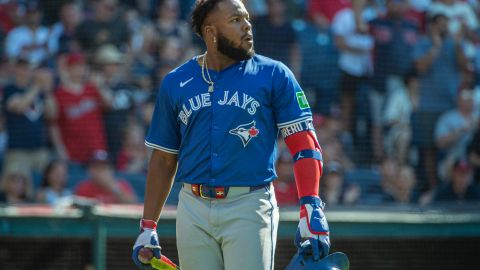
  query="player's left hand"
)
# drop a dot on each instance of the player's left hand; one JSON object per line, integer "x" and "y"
{"x": 313, "y": 226}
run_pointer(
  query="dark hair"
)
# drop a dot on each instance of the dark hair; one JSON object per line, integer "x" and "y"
{"x": 411, "y": 74}
{"x": 48, "y": 169}
{"x": 200, "y": 11}
{"x": 434, "y": 18}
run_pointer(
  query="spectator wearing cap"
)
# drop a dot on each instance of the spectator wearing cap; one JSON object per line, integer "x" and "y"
{"x": 27, "y": 105}
{"x": 111, "y": 78}
{"x": 461, "y": 187}
{"x": 78, "y": 129}
{"x": 102, "y": 184}
{"x": 455, "y": 128}
{"x": 105, "y": 27}
{"x": 30, "y": 39}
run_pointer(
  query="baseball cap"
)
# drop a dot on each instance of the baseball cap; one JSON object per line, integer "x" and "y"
{"x": 75, "y": 58}
{"x": 462, "y": 165}
{"x": 108, "y": 54}
{"x": 99, "y": 156}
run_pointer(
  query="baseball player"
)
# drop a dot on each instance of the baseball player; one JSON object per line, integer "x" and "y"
{"x": 214, "y": 129}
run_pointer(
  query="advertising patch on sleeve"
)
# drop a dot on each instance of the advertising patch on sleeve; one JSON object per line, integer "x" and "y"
{"x": 298, "y": 126}
{"x": 302, "y": 100}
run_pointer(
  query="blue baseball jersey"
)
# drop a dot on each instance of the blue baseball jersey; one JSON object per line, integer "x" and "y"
{"x": 228, "y": 137}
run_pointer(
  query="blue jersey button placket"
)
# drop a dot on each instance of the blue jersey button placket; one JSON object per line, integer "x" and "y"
{"x": 216, "y": 133}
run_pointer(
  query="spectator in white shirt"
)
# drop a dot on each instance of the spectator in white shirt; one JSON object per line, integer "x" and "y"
{"x": 454, "y": 129}
{"x": 354, "y": 61}
{"x": 400, "y": 104}
{"x": 30, "y": 39}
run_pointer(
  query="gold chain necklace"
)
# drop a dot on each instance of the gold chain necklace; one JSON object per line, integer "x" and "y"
{"x": 205, "y": 67}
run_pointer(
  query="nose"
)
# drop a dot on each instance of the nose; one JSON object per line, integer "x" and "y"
{"x": 247, "y": 26}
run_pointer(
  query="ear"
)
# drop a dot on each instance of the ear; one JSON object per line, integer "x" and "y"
{"x": 210, "y": 33}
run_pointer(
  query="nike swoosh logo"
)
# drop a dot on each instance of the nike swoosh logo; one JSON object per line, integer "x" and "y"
{"x": 300, "y": 156}
{"x": 182, "y": 84}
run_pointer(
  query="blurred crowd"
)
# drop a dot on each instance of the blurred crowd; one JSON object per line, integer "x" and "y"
{"x": 394, "y": 88}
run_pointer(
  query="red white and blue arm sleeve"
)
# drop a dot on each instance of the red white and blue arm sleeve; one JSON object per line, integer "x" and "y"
{"x": 307, "y": 158}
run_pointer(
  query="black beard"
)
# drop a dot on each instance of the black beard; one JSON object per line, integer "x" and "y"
{"x": 227, "y": 48}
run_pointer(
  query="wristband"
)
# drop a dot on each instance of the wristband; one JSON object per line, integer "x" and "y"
{"x": 313, "y": 200}
{"x": 148, "y": 224}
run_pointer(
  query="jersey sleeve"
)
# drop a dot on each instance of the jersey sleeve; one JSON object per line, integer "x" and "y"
{"x": 290, "y": 105}
{"x": 164, "y": 131}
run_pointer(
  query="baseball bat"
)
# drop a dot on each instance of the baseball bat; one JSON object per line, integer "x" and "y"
{"x": 163, "y": 263}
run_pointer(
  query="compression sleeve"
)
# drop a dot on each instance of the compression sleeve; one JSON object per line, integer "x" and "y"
{"x": 304, "y": 147}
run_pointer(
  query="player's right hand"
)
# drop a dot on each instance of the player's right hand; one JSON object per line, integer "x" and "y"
{"x": 147, "y": 245}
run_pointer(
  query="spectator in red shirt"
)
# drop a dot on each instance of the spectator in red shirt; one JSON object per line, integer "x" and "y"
{"x": 102, "y": 184}
{"x": 326, "y": 8}
{"x": 78, "y": 129}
